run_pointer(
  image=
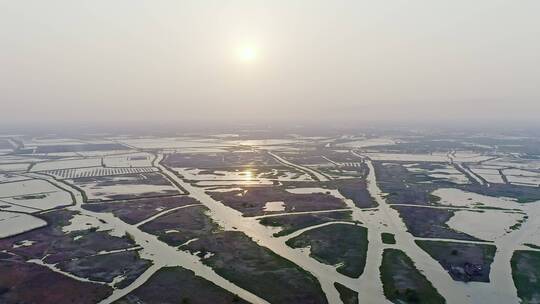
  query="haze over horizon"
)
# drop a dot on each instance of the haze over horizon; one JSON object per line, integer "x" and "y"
{"x": 270, "y": 62}
{"x": 269, "y": 152}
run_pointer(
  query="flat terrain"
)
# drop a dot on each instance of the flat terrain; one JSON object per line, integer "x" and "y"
{"x": 178, "y": 285}
{"x": 370, "y": 216}
{"x": 30, "y": 283}
{"x": 342, "y": 245}
{"x": 292, "y": 223}
{"x": 251, "y": 200}
{"x": 237, "y": 258}
{"x": 402, "y": 282}
{"x": 346, "y": 295}
{"x": 526, "y": 273}
{"x": 464, "y": 262}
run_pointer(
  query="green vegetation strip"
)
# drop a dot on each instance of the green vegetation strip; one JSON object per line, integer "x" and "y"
{"x": 526, "y": 275}
{"x": 346, "y": 295}
{"x": 179, "y": 285}
{"x": 257, "y": 269}
{"x": 464, "y": 262}
{"x": 291, "y": 223}
{"x": 336, "y": 244}
{"x": 533, "y": 246}
{"x": 388, "y": 238}
{"x": 403, "y": 283}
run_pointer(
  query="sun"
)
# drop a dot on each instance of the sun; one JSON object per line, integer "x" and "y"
{"x": 247, "y": 53}
{"x": 248, "y": 175}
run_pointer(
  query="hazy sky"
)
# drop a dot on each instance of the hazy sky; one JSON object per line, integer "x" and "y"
{"x": 128, "y": 60}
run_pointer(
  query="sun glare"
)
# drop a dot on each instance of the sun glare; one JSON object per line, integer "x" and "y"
{"x": 247, "y": 53}
{"x": 248, "y": 175}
